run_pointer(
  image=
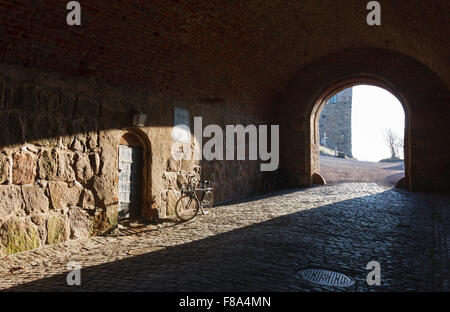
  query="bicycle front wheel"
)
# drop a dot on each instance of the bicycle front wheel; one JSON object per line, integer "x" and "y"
{"x": 207, "y": 201}
{"x": 187, "y": 207}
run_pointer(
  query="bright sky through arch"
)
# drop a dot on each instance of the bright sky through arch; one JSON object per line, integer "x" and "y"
{"x": 374, "y": 110}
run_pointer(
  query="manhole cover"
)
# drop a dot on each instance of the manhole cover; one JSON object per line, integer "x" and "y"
{"x": 326, "y": 277}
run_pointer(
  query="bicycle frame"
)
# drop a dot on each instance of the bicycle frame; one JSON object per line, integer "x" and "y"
{"x": 193, "y": 188}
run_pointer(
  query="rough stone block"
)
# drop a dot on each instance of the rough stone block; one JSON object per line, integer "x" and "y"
{"x": 112, "y": 215}
{"x": 83, "y": 168}
{"x": 187, "y": 165}
{"x": 48, "y": 165}
{"x": 56, "y": 230}
{"x": 169, "y": 179}
{"x": 88, "y": 201}
{"x": 35, "y": 199}
{"x": 96, "y": 162}
{"x": 173, "y": 165}
{"x": 65, "y": 170}
{"x": 91, "y": 140}
{"x": 24, "y": 168}
{"x": 80, "y": 223}
{"x": 104, "y": 188}
{"x": 172, "y": 198}
{"x": 39, "y": 220}
{"x": 183, "y": 179}
{"x": 99, "y": 221}
{"x": 18, "y": 235}
{"x": 63, "y": 196}
{"x": 5, "y": 165}
{"x": 10, "y": 200}
{"x": 79, "y": 143}
{"x": 66, "y": 140}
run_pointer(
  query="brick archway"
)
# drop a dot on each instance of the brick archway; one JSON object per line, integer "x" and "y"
{"x": 422, "y": 93}
{"x": 339, "y": 86}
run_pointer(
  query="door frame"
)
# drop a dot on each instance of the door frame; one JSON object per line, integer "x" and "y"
{"x": 136, "y": 137}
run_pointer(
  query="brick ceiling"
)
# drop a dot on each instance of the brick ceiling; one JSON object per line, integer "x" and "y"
{"x": 214, "y": 48}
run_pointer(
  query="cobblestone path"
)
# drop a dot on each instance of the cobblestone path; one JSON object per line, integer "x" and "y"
{"x": 259, "y": 245}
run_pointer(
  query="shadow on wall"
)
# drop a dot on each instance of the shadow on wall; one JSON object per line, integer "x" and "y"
{"x": 37, "y": 114}
{"x": 343, "y": 236}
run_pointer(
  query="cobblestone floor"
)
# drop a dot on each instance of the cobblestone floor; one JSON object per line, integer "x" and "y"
{"x": 259, "y": 245}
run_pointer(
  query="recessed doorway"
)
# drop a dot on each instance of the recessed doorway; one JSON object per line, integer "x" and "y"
{"x": 131, "y": 164}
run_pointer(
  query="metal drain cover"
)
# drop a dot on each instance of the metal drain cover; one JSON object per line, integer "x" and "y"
{"x": 326, "y": 277}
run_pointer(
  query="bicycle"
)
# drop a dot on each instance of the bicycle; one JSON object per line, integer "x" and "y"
{"x": 189, "y": 203}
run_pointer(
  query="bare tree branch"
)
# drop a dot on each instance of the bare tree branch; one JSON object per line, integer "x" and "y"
{"x": 394, "y": 142}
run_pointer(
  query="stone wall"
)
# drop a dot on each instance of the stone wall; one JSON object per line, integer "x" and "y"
{"x": 335, "y": 123}
{"x": 59, "y": 157}
{"x": 48, "y": 179}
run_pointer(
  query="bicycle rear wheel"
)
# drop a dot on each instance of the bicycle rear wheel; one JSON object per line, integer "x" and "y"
{"x": 187, "y": 207}
{"x": 207, "y": 201}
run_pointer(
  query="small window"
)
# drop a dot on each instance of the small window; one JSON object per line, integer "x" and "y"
{"x": 333, "y": 99}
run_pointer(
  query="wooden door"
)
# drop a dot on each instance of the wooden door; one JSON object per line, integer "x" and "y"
{"x": 130, "y": 181}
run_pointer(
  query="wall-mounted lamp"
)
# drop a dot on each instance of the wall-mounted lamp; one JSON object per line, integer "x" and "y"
{"x": 139, "y": 119}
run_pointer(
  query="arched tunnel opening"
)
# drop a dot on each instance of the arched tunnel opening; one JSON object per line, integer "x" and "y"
{"x": 361, "y": 135}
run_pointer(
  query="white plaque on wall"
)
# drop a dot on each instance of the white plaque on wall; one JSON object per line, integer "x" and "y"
{"x": 181, "y": 131}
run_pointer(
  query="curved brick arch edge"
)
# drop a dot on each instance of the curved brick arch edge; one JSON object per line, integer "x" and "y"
{"x": 424, "y": 96}
{"x": 338, "y": 86}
